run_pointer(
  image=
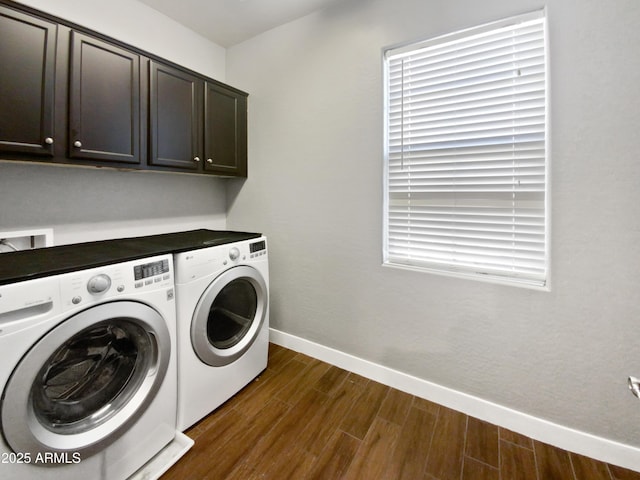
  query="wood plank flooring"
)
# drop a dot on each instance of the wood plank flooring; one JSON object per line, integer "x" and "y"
{"x": 304, "y": 419}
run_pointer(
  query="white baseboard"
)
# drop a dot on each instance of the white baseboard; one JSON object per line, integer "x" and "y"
{"x": 542, "y": 430}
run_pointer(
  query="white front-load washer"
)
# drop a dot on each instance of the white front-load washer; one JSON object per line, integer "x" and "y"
{"x": 88, "y": 371}
{"x": 222, "y": 299}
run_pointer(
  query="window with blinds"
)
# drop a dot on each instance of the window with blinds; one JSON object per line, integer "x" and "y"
{"x": 465, "y": 152}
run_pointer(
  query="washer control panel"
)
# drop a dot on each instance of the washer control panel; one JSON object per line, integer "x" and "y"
{"x": 110, "y": 281}
{"x": 151, "y": 272}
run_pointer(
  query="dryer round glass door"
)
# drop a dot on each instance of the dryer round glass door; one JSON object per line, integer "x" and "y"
{"x": 229, "y": 316}
{"x": 86, "y": 381}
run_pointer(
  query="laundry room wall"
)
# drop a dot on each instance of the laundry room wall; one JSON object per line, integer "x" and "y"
{"x": 83, "y": 204}
{"x": 315, "y": 189}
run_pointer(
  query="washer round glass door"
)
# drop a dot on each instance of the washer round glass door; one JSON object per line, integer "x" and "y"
{"x": 229, "y": 315}
{"x": 87, "y": 380}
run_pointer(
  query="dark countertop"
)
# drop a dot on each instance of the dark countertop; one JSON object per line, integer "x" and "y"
{"x": 43, "y": 262}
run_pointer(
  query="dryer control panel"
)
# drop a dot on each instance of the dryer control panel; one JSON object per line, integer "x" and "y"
{"x": 258, "y": 248}
{"x": 207, "y": 262}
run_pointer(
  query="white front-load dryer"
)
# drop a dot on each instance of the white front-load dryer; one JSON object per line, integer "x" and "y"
{"x": 222, "y": 299}
{"x": 88, "y": 371}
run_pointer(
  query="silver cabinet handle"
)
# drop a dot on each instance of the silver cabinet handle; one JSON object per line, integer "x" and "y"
{"x": 196, "y": 159}
{"x": 77, "y": 144}
{"x": 48, "y": 141}
{"x": 209, "y": 160}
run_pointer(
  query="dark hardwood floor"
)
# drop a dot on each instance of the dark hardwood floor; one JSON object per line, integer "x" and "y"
{"x": 305, "y": 419}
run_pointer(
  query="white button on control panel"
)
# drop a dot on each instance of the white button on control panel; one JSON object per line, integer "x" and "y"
{"x": 99, "y": 283}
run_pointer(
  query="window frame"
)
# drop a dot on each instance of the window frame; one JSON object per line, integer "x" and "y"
{"x": 451, "y": 271}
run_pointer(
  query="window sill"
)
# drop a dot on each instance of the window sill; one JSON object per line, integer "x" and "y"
{"x": 481, "y": 277}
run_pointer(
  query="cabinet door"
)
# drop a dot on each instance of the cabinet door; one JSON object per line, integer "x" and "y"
{"x": 104, "y": 102}
{"x": 27, "y": 66}
{"x": 176, "y": 118}
{"x": 225, "y": 129}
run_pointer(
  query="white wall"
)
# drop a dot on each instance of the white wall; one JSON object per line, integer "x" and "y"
{"x": 315, "y": 188}
{"x": 83, "y": 204}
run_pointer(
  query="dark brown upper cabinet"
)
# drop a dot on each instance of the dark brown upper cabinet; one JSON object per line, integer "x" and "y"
{"x": 186, "y": 136}
{"x": 27, "y": 68}
{"x": 104, "y": 102}
{"x": 175, "y": 102}
{"x": 73, "y": 96}
{"x": 225, "y": 131}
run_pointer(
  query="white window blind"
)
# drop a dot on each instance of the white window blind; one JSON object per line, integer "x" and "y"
{"x": 466, "y": 152}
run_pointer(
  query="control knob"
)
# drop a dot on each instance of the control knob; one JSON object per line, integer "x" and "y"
{"x": 99, "y": 283}
{"x": 234, "y": 253}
